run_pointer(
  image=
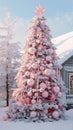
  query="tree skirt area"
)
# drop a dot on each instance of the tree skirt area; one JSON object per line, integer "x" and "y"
{"x": 66, "y": 124}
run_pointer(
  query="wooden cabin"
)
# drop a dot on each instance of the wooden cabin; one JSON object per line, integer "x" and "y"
{"x": 64, "y": 45}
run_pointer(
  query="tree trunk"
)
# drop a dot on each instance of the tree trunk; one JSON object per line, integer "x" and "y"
{"x": 7, "y": 91}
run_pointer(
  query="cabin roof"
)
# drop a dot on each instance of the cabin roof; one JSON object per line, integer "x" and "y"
{"x": 64, "y": 45}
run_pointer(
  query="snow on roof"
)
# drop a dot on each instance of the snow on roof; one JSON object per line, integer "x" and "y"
{"x": 64, "y": 45}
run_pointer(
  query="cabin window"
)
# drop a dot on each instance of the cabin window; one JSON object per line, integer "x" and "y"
{"x": 71, "y": 83}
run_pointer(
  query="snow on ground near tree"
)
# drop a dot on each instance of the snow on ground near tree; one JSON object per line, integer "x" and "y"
{"x": 21, "y": 125}
{"x": 64, "y": 45}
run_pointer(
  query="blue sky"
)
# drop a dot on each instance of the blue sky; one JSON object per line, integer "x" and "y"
{"x": 25, "y": 8}
{"x": 59, "y": 13}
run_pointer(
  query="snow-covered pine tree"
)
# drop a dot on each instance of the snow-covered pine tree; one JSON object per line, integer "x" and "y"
{"x": 9, "y": 57}
{"x": 40, "y": 92}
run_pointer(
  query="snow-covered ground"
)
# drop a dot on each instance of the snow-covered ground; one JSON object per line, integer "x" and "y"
{"x": 66, "y": 124}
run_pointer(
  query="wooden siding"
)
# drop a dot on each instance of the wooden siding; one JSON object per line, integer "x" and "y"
{"x": 65, "y": 76}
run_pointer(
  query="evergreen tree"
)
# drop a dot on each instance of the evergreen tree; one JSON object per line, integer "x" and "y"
{"x": 40, "y": 92}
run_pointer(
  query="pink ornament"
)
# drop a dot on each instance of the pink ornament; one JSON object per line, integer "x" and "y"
{"x": 41, "y": 68}
{"x": 43, "y": 22}
{"x": 30, "y": 82}
{"x": 28, "y": 100}
{"x": 34, "y": 45}
{"x": 56, "y": 89}
{"x": 48, "y": 72}
{"x": 50, "y": 51}
{"x": 43, "y": 85}
{"x": 38, "y": 30}
{"x": 55, "y": 114}
{"x": 32, "y": 50}
{"x": 33, "y": 114}
{"x": 21, "y": 101}
{"x": 45, "y": 62}
{"x": 36, "y": 94}
{"x": 45, "y": 94}
{"x": 45, "y": 111}
{"x": 30, "y": 93}
{"x": 60, "y": 94}
{"x": 50, "y": 65}
{"x": 56, "y": 107}
{"x": 60, "y": 104}
{"x": 48, "y": 58}
{"x": 52, "y": 98}
{"x": 33, "y": 101}
{"x": 53, "y": 72}
{"x": 38, "y": 41}
{"x": 39, "y": 101}
{"x": 34, "y": 66}
{"x": 5, "y": 117}
{"x": 63, "y": 109}
{"x": 41, "y": 89}
{"x": 40, "y": 47}
{"x": 32, "y": 76}
{"x": 27, "y": 73}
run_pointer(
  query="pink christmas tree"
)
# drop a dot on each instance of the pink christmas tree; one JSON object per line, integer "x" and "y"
{"x": 40, "y": 93}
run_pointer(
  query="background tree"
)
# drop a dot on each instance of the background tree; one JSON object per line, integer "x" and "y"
{"x": 9, "y": 56}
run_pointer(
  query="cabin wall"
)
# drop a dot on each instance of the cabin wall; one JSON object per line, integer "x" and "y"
{"x": 67, "y": 75}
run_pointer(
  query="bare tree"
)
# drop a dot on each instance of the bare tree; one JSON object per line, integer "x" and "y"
{"x": 9, "y": 55}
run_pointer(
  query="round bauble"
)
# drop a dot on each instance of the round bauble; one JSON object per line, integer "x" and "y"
{"x": 30, "y": 82}
{"x": 44, "y": 61}
{"x": 60, "y": 94}
{"x": 34, "y": 45}
{"x": 45, "y": 39}
{"x": 34, "y": 65}
{"x": 56, "y": 89}
{"x": 37, "y": 41}
{"x": 52, "y": 98}
{"x": 41, "y": 68}
{"x": 45, "y": 111}
{"x": 43, "y": 22}
{"x": 60, "y": 104}
{"x": 33, "y": 75}
{"x": 56, "y": 107}
{"x": 21, "y": 101}
{"x": 43, "y": 85}
{"x": 36, "y": 94}
{"x": 48, "y": 58}
{"x": 53, "y": 72}
{"x": 30, "y": 43}
{"x": 45, "y": 94}
{"x": 50, "y": 65}
{"x": 50, "y": 51}
{"x": 41, "y": 89}
{"x": 30, "y": 93}
{"x": 48, "y": 72}
{"x": 33, "y": 101}
{"x": 5, "y": 117}
{"x": 32, "y": 50}
{"x": 27, "y": 73}
{"x": 55, "y": 114}
{"x": 28, "y": 100}
{"x": 39, "y": 101}
{"x": 33, "y": 114}
{"x": 40, "y": 47}
{"x": 38, "y": 30}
